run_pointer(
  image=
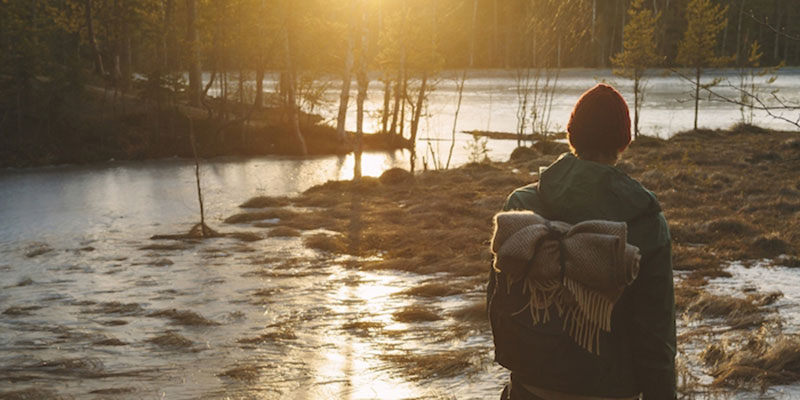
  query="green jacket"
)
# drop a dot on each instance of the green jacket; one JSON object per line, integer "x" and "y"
{"x": 638, "y": 355}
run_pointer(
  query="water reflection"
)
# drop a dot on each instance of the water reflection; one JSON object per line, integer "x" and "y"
{"x": 49, "y": 203}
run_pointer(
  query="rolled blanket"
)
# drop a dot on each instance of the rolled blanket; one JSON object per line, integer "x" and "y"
{"x": 580, "y": 269}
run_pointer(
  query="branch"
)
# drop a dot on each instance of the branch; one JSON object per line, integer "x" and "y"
{"x": 758, "y": 103}
{"x": 765, "y": 22}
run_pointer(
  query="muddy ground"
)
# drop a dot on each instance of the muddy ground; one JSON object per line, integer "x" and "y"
{"x": 729, "y": 196}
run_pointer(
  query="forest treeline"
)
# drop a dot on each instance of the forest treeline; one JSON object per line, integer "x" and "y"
{"x": 146, "y": 60}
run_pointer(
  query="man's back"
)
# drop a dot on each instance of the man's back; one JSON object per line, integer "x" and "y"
{"x": 638, "y": 355}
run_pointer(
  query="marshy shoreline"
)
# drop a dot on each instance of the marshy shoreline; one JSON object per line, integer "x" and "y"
{"x": 352, "y": 288}
{"x": 729, "y": 196}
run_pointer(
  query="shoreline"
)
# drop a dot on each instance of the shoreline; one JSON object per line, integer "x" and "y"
{"x": 729, "y": 197}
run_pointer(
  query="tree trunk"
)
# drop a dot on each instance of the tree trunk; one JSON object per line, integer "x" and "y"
{"x": 259, "y": 99}
{"x": 493, "y": 49}
{"x": 344, "y": 96}
{"x": 126, "y": 64}
{"x": 195, "y": 75}
{"x": 403, "y": 90}
{"x": 387, "y": 102}
{"x": 291, "y": 106}
{"x": 636, "y": 79}
{"x": 460, "y": 88}
{"x": 696, "y": 95}
{"x": 592, "y": 42}
{"x": 472, "y": 34}
{"x": 171, "y": 51}
{"x": 363, "y": 83}
{"x": 396, "y": 108}
{"x": 777, "y": 29}
{"x": 240, "y": 75}
{"x": 204, "y": 231}
{"x": 415, "y": 119}
{"x": 96, "y": 56}
{"x": 739, "y": 34}
{"x": 115, "y": 67}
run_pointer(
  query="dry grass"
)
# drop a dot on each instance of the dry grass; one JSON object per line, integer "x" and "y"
{"x": 269, "y": 292}
{"x": 166, "y": 246}
{"x": 686, "y": 258}
{"x": 171, "y": 340}
{"x": 196, "y": 232}
{"x": 416, "y": 314}
{"x": 325, "y": 242}
{"x": 109, "y": 342}
{"x": 113, "y": 391}
{"x": 721, "y": 189}
{"x": 437, "y": 365}
{"x": 283, "y": 231}
{"x": 245, "y": 236}
{"x": 284, "y": 333}
{"x": 363, "y": 328}
{"x": 246, "y": 373}
{"x": 116, "y": 307}
{"x": 727, "y": 196}
{"x": 475, "y": 312}
{"x": 278, "y": 213}
{"x": 738, "y": 313}
{"x": 758, "y": 360}
{"x": 438, "y": 222}
{"x": 29, "y": 394}
{"x": 265, "y": 202}
{"x": 436, "y": 289}
{"x": 183, "y": 317}
{"x": 37, "y": 249}
{"x": 21, "y": 310}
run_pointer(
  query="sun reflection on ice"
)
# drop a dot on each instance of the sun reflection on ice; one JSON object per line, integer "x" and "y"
{"x": 349, "y": 364}
{"x": 372, "y": 164}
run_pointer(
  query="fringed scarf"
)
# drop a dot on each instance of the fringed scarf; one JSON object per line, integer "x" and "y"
{"x": 579, "y": 269}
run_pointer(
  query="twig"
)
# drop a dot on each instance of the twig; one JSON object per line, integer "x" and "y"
{"x": 758, "y": 104}
{"x": 777, "y": 31}
{"x": 197, "y": 179}
{"x": 460, "y": 87}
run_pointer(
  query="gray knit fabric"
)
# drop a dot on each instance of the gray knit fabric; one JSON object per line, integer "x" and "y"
{"x": 597, "y": 266}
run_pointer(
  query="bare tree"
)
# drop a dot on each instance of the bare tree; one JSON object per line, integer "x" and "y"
{"x": 195, "y": 75}
{"x": 98, "y": 59}
{"x": 291, "y": 101}
{"x": 460, "y": 89}
{"x": 363, "y": 83}
{"x": 344, "y": 96}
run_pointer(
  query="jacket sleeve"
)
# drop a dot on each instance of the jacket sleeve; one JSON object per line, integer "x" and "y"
{"x": 654, "y": 340}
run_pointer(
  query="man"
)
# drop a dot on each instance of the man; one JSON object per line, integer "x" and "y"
{"x": 639, "y": 351}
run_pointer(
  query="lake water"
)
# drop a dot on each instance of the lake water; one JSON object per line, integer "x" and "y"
{"x": 85, "y": 310}
{"x": 490, "y": 102}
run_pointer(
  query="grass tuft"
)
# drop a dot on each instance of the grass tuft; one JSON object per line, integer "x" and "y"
{"x": 265, "y": 202}
{"x": 416, "y": 314}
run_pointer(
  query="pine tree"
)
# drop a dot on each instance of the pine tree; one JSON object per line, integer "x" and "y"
{"x": 705, "y": 21}
{"x": 638, "y": 53}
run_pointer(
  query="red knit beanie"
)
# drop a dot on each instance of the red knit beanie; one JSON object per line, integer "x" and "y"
{"x": 600, "y": 122}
